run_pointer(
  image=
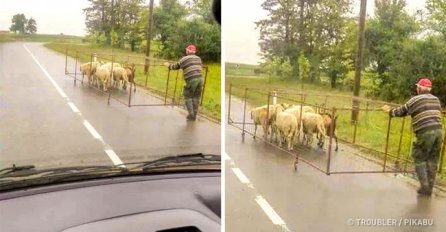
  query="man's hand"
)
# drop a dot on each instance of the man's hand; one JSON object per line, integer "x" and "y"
{"x": 386, "y": 108}
{"x": 167, "y": 64}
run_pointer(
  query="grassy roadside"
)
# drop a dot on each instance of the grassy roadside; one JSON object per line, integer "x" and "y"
{"x": 9, "y": 37}
{"x": 371, "y": 128}
{"x": 157, "y": 73}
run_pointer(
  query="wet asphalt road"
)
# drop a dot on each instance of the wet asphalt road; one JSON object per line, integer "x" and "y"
{"x": 308, "y": 200}
{"x": 38, "y": 126}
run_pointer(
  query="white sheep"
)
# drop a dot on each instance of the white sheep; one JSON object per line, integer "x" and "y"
{"x": 102, "y": 76}
{"x": 89, "y": 69}
{"x": 313, "y": 123}
{"x": 286, "y": 125}
{"x": 109, "y": 66}
{"x": 119, "y": 75}
{"x": 295, "y": 109}
{"x": 261, "y": 116}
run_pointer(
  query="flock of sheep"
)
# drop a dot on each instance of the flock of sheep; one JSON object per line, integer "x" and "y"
{"x": 108, "y": 75}
{"x": 286, "y": 124}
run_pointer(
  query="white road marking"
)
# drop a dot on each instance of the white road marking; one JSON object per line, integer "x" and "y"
{"x": 61, "y": 92}
{"x": 111, "y": 154}
{"x": 226, "y": 156}
{"x": 264, "y": 205}
{"x": 241, "y": 176}
{"x": 115, "y": 159}
{"x": 273, "y": 216}
{"x": 73, "y": 107}
{"x": 91, "y": 129}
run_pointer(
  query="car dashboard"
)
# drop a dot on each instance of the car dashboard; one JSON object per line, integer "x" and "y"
{"x": 182, "y": 202}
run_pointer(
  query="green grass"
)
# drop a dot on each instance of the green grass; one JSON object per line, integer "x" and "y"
{"x": 245, "y": 70}
{"x": 157, "y": 76}
{"x": 9, "y": 37}
{"x": 371, "y": 128}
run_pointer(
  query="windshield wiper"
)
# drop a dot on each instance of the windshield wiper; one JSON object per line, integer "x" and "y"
{"x": 176, "y": 161}
{"x": 25, "y": 176}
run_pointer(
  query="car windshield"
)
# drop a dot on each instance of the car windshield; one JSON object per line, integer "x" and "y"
{"x": 102, "y": 83}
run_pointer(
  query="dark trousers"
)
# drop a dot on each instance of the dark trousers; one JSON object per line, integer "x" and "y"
{"x": 192, "y": 94}
{"x": 426, "y": 154}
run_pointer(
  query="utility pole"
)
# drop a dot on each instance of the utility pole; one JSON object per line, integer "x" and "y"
{"x": 359, "y": 55}
{"x": 149, "y": 37}
{"x": 112, "y": 22}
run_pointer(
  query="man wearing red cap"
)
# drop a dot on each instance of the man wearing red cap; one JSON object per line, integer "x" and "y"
{"x": 425, "y": 110}
{"x": 191, "y": 65}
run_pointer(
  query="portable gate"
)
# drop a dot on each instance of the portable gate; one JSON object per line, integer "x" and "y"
{"x": 389, "y": 152}
{"x": 164, "y": 85}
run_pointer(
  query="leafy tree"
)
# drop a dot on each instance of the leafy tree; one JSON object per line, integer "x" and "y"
{"x": 437, "y": 15}
{"x": 120, "y": 16}
{"x": 205, "y": 36}
{"x": 386, "y": 33}
{"x": 308, "y": 26}
{"x": 166, "y": 19}
{"x": 18, "y": 24}
{"x": 202, "y": 9}
{"x": 31, "y": 26}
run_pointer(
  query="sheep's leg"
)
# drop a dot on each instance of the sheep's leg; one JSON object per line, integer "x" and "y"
{"x": 336, "y": 139}
{"x": 255, "y": 130}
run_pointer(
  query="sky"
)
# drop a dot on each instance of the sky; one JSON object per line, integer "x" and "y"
{"x": 52, "y": 16}
{"x": 240, "y": 38}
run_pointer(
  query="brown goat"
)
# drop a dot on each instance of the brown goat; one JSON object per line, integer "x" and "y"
{"x": 131, "y": 74}
{"x": 328, "y": 122}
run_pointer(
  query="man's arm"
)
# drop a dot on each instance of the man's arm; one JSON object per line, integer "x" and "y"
{"x": 400, "y": 111}
{"x": 175, "y": 66}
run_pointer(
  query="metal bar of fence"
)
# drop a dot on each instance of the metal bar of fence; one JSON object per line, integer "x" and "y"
{"x": 440, "y": 169}
{"x": 229, "y": 102}
{"x": 355, "y": 129}
{"x": 139, "y": 105}
{"x": 147, "y": 75}
{"x": 330, "y": 143}
{"x": 387, "y": 143}
{"x": 106, "y": 82}
{"x": 244, "y": 112}
{"x": 246, "y": 123}
{"x": 267, "y": 116}
{"x": 175, "y": 89}
{"x": 397, "y": 162}
{"x": 167, "y": 86}
{"x": 368, "y": 172}
{"x": 204, "y": 86}
{"x": 130, "y": 94}
{"x": 66, "y": 60}
{"x": 75, "y": 69}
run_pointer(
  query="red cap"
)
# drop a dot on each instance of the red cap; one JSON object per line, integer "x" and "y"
{"x": 425, "y": 82}
{"x": 191, "y": 48}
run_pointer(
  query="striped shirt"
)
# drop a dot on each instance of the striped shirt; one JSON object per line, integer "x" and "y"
{"x": 425, "y": 110}
{"x": 191, "y": 65}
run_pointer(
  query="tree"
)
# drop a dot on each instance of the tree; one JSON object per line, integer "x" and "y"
{"x": 437, "y": 15}
{"x": 120, "y": 16}
{"x": 387, "y": 32}
{"x": 308, "y": 26}
{"x": 31, "y": 26}
{"x": 202, "y": 9}
{"x": 18, "y": 24}
{"x": 205, "y": 36}
{"x": 166, "y": 18}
